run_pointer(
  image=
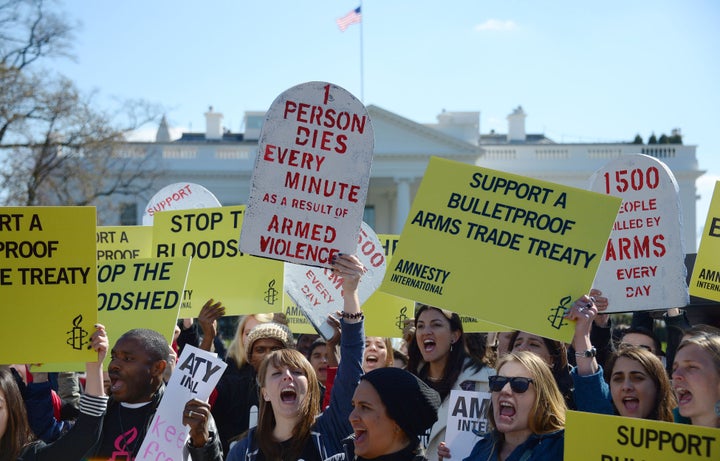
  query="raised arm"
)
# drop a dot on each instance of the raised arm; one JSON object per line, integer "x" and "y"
{"x": 333, "y": 423}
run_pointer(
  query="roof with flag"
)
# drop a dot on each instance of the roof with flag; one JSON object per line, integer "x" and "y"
{"x": 353, "y": 17}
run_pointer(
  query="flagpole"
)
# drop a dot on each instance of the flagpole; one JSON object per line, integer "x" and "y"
{"x": 362, "y": 71}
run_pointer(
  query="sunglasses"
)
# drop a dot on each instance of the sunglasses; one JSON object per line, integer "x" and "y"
{"x": 518, "y": 384}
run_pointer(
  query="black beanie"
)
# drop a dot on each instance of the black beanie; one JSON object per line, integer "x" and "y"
{"x": 411, "y": 403}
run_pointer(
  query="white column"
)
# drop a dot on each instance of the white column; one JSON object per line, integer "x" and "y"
{"x": 402, "y": 203}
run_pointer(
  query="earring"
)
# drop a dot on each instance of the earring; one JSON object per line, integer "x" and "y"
{"x": 451, "y": 345}
{"x": 717, "y": 408}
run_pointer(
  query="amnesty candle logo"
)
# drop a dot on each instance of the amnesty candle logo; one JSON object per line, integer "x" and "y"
{"x": 353, "y": 17}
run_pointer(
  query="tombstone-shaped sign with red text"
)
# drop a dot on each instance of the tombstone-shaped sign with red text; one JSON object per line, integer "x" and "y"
{"x": 179, "y": 196}
{"x": 311, "y": 176}
{"x": 318, "y": 292}
{"x": 643, "y": 267}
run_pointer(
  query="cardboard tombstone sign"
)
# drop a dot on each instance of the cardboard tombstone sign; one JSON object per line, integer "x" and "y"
{"x": 318, "y": 292}
{"x": 643, "y": 266}
{"x": 311, "y": 176}
{"x": 178, "y": 196}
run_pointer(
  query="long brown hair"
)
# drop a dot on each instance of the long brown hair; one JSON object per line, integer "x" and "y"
{"x": 664, "y": 398}
{"x": 456, "y": 357}
{"x": 309, "y": 408}
{"x": 17, "y": 432}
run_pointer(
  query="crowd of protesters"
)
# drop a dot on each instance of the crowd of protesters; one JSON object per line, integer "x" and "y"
{"x": 289, "y": 397}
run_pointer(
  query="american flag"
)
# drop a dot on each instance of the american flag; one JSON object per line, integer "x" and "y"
{"x": 349, "y": 19}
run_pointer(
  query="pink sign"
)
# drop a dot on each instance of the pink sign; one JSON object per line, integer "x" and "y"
{"x": 311, "y": 176}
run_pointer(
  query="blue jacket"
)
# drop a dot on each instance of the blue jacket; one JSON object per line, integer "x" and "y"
{"x": 592, "y": 393}
{"x": 332, "y": 426}
{"x": 538, "y": 447}
{"x": 77, "y": 441}
{"x": 40, "y": 411}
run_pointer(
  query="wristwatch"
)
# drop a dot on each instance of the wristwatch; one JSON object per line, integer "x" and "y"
{"x": 592, "y": 352}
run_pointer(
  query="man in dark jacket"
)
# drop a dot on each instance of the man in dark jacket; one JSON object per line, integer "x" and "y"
{"x": 138, "y": 361}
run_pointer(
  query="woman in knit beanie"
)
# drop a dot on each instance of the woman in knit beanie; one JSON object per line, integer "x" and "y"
{"x": 392, "y": 409}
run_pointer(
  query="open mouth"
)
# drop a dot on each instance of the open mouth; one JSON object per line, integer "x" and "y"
{"x": 429, "y": 345}
{"x": 288, "y": 395}
{"x": 507, "y": 409}
{"x": 684, "y": 396}
{"x": 360, "y": 435}
{"x": 116, "y": 383}
{"x": 631, "y": 404}
{"x": 371, "y": 358}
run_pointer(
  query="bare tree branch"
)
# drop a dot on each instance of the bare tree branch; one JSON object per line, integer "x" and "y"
{"x": 56, "y": 146}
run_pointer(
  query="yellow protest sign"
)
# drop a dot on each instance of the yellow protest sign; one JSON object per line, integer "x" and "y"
{"x": 591, "y": 436}
{"x": 123, "y": 242}
{"x": 297, "y": 321}
{"x": 381, "y": 308}
{"x": 705, "y": 280}
{"x": 245, "y": 284}
{"x": 386, "y": 313}
{"x": 141, "y": 293}
{"x": 47, "y": 282}
{"x": 504, "y": 248}
{"x": 138, "y": 293}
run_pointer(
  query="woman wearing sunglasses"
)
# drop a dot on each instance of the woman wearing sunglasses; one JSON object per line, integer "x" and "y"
{"x": 526, "y": 414}
{"x": 639, "y": 385}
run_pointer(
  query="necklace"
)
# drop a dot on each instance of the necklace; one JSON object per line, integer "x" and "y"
{"x": 435, "y": 380}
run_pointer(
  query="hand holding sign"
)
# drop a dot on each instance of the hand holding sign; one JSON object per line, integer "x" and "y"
{"x": 321, "y": 292}
{"x": 196, "y": 416}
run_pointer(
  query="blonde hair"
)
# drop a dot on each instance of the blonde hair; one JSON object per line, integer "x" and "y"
{"x": 389, "y": 357}
{"x": 708, "y": 342}
{"x": 236, "y": 349}
{"x": 548, "y": 411}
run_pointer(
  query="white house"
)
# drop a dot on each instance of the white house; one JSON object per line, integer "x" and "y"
{"x": 223, "y": 161}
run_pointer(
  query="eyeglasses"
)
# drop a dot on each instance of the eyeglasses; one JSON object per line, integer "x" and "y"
{"x": 518, "y": 384}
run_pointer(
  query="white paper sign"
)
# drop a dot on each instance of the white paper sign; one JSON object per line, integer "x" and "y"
{"x": 179, "y": 196}
{"x": 318, "y": 292}
{"x": 311, "y": 176}
{"x": 643, "y": 266}
{"x": 467, "y": 417}
{"x": 195, "y": 376}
